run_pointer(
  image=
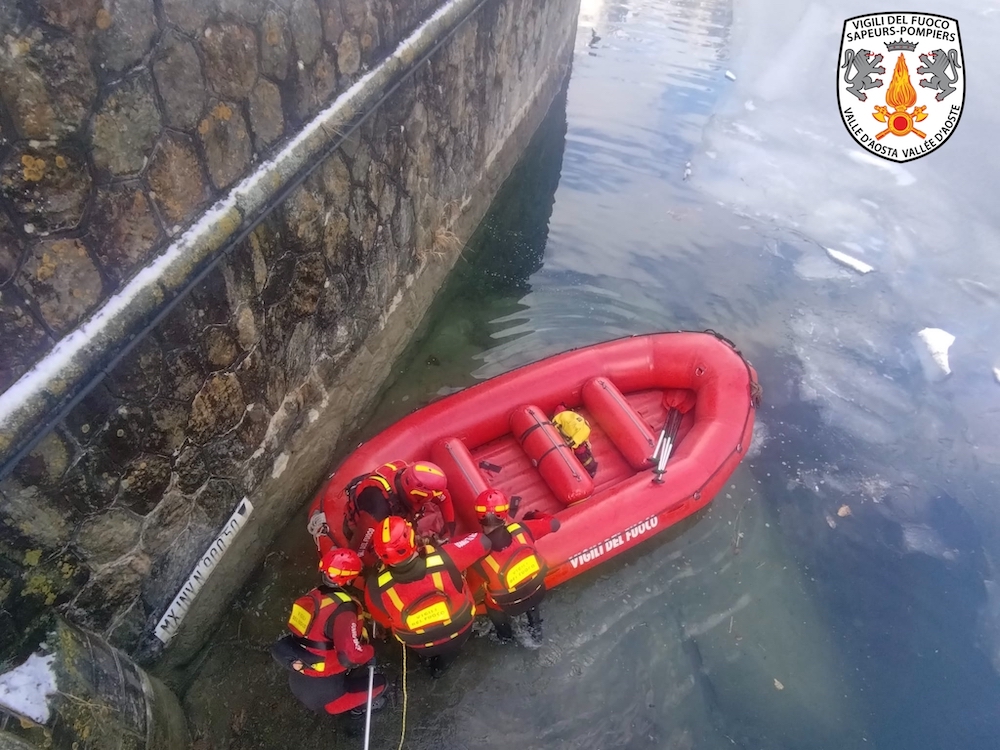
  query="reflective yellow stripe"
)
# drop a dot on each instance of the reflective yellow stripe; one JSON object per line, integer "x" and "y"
{"x": 391, "y": 593}
{"x": 521, "y": 539}
{"x": 513, "y": 528}
{"x": 435, "y": 561}
{"x": 384, "y": 482}
{"x": 384, "y": 578}
{"x": 492, "y": 563}
{"x": 429, "y": 469}
{"x": 318, "y": 666}
{"x": 438, "y": 583}
{"x": 342, "y": 596}
{"x": 299, "y": 620}
{"x": 325, "y": 602}
{"x": 385, "y": 531}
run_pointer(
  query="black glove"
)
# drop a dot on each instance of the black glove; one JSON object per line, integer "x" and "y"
{"x": 531, "y": 515}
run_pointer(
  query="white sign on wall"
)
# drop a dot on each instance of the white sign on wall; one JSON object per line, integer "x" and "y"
{"x": 168, "y": 625}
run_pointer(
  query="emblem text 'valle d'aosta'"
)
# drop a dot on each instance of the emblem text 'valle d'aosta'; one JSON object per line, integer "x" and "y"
{"x": 890, "y": 111}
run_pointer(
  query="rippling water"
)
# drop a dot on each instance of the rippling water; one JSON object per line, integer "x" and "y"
{"x": 840, "y": 592}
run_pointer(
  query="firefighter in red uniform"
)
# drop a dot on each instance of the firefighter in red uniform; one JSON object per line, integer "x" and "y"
{"x": 417, "y": 491}
{"x": 421, "y": 594}
{"x": 513, "y": 574}
{"x": 324, "y": 646}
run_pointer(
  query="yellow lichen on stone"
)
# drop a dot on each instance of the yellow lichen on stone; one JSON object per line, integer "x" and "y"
{"x": 204, "y": 126}
{"x": 61, "y": 162}
{"x": 222, "y": 112}
{"x": 103, "y": 19}
{"x": 67, "y": 569}
{"x": 32, "y": 556}
{"x": 39, "y": 585}
{"x": 46, "y": 269}
{"x": 20, "y": 46}
{"x": 34, "y": 169}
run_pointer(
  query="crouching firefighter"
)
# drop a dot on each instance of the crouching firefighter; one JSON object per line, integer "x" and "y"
{"x": 513, "y": 574}
{"x": 324, "y": 648}
{"x": 418, "y": 492}
{"x": 421, "y": 594}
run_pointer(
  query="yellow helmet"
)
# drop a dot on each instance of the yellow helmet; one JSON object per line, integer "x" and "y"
{"x": 573, "y": 427}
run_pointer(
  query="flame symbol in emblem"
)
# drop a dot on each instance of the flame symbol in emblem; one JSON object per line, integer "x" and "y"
{"x": 900, "y": 96}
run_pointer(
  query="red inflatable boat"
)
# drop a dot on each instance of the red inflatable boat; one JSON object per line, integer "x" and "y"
{"x": 696, "y": 386}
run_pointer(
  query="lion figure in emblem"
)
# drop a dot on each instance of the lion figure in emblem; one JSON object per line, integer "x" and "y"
{"x": 937, "y": 64}
{"x": 864, "y": 68}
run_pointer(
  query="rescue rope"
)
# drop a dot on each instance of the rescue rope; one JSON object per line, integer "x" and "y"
{"x": 402, "y": 731}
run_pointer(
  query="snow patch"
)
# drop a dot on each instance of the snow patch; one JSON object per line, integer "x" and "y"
{"x": 313, "y": 415}
{"x": 280, "y": 464}
{"x": 846, "y": 260}
{"x": 26, "y": 689}
{"x": 996, "y": 374}
{"x": 730, "y": 75}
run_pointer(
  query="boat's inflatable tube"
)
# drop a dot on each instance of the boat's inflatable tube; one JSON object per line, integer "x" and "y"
{"x": 561, "y": 470}
{"x": 465, "y": 480}
{"x": 627, "y": 429}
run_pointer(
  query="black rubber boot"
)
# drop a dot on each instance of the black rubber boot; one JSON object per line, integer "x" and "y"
{"x": 535, "y": 623}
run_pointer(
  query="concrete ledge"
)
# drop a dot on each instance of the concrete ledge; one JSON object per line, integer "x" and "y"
{"x": 41, "y": 391}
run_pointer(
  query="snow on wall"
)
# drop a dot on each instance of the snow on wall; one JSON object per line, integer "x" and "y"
{"x": 26, "y": 689}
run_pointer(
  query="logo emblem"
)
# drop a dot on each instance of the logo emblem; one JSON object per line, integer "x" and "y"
{"x": 901, "y": 82}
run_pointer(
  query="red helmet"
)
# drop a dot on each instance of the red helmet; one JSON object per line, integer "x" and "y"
{"x": 395, "y": 541}
{"x": 422, "y": 481}
{"x": 340, "y": 565}
{"x": 492, "y": 502}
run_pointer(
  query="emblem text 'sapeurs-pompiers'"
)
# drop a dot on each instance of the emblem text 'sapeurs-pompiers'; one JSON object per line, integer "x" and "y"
{"x": 918, "y": 116}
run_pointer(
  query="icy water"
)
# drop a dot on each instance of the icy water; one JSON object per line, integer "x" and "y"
{"x": 841, "y": 591}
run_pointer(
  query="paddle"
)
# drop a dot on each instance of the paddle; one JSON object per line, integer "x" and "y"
{"x": 666, "y": 444}
{"x": 368, "y": 713}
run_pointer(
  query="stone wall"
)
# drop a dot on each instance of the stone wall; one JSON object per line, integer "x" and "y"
{"x": 247, "y": 387}
{"x": 120, "y": 120}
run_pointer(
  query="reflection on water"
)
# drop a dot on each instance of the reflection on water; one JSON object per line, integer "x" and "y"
{"x": 839, "y": 593}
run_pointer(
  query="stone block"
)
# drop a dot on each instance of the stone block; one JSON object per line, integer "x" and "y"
{"x": 165, "y": 524}
{"x": 46, "y": 84}
{"x": 217, "y": 407}
{"x": 313, "y": 87}
{"x": 219, "y": 346}
{"x": 48, "y": 187}
{"x": 142, "y": 486}
{"x": 35, "y": 514}
{"x": 110, "y": 591}
{"x": 218, "y": 499}
{"x": 244, "y": 10}
{"x": 227, "y": 146}
{"x": 124, "y": 230}
{"x": 348, "y": 54}
{"x": 230, "y": 51}
{"x": 170, "y": 420}
{"x": 191, "y": 470}
{"x": 306, "y": 26}
{"x": 183, "y": 375}
{"x": 124, "y": 33}
{"x": 11, "y": 249}
{"x": 275, "y": 44}
{"x": 176, "y": 177}
{"x": 266, "y": 118}
{"x": 333, "y": 20}
{"x": 22, "y": 338}
{"x": 60, "y": 276}
{"x": 105, "y": 538}
{"x": 179, "y": 80}
{"x": 126, "y": 127}
{"x": 187, "y": 15}
{"x": 78, "y": 17}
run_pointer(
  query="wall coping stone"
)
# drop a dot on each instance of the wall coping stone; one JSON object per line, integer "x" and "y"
{"x": 49, "y": 383}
